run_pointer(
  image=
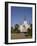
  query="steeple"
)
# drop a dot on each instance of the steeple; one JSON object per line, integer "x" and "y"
{"x": 24, "y": 17}
{"x": 25, "y": 21}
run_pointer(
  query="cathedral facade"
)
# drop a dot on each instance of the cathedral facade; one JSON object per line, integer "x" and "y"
{"x": 23, "y": 27}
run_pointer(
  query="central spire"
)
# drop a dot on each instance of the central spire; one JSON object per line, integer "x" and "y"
{"x": 25, "y": 21}
{"x": 24, "y": 17}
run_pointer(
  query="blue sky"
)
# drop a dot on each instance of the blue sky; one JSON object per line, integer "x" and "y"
{"x": 19, "y": 13}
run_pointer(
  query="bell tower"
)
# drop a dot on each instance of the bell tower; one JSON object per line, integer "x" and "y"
{"x": 25, "y": 21}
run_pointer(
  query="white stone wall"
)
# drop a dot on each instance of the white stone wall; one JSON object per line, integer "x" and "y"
{"x": 24, "y": 29}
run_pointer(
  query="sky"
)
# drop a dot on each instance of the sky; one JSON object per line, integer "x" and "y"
{"x": 19, "y": 13}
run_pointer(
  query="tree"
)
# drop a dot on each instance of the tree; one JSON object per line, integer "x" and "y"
{"x": 17, "y": 26}
{"x": 30, "y": 30}
{"x": 31, "y": 26}
{"x": 16, "y": 30}
{"x": 11, "y": 29}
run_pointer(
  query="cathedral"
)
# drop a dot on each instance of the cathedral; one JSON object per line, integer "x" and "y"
{"x": 23, "y": 27}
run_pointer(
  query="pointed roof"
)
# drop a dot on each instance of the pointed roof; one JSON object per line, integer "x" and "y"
{"x": 24, "y": 17}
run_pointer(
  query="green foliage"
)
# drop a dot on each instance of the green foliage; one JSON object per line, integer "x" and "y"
{"x": 30, "y": 30}
{"x": 16, "y": 26}
{"x": 11, "y": 29}
{"x": 16, "y": 30}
